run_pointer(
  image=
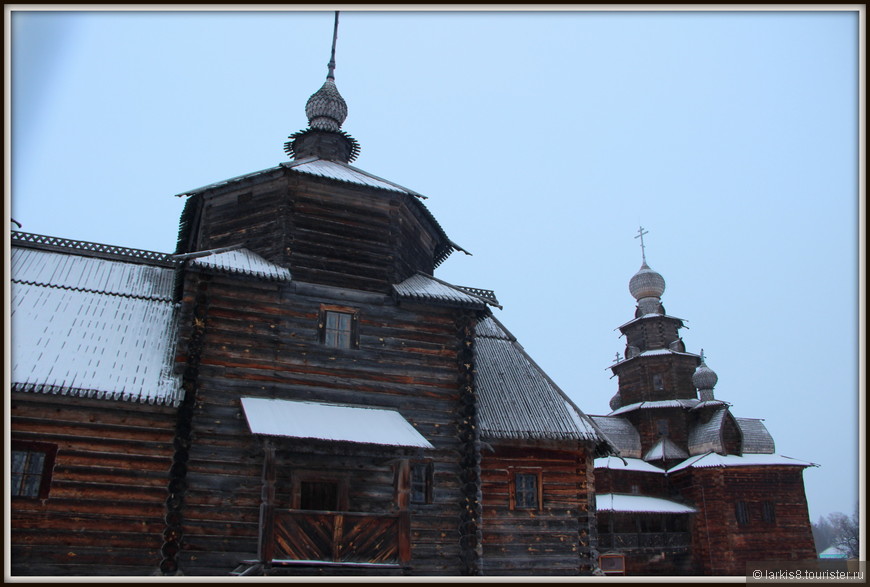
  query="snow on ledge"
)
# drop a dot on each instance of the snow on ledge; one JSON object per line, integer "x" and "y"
{"x": 640, "y": 504}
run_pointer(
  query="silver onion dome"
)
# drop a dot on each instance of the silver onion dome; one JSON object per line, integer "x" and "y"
{"x": 326, "y": 109}
{"x": 704, "y": 377}
{"x": 646, "y": 283}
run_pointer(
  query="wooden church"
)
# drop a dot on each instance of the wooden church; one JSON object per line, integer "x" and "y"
{"x": 294, "y": 392}
{"x": 695, "y": 490}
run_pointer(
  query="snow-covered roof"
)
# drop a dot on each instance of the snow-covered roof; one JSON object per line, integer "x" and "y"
{"x": 344, "y": 172}
{"x": 77, "y": 270}
{"x": 627, "y": 464}
{"x": 747, "y": 460}
{"x": 243, "y": 262}
{"x": 516, "y": 398}
{"x": 664, "y": 450}
{"x": 668, "y": 403}
{"x": 427, "y": 288}
{"x": 333, "y": 422}
{"x": 314, "y": 166}
{"x": 652, "y": 315}
{"x": 833, "y": 552}
{"x": 92, "y": 327}
{"x": 640, "y": 504}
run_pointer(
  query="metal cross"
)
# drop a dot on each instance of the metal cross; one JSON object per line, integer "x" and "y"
{"x": 640, "y": 234}
{"x": 702, "y": 355}
{"x": 617, "y": 356}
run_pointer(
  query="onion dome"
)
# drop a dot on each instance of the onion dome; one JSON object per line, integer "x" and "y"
{"x": 704, "y": 379}
{"x": 326, "y": 109}
{"x": 646, "y": 283}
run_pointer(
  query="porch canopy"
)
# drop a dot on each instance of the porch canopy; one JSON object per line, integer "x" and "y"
{"x": 640, "y": 504}
{"x": 330, "y": 422}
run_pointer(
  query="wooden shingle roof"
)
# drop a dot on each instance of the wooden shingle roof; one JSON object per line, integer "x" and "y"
{"x": 517, "y": 399}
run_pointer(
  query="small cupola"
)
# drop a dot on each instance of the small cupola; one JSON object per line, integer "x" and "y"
{"x": 704, "y": 379}
{"x": 646, "y": 286}
{"x": 326, "y": 111}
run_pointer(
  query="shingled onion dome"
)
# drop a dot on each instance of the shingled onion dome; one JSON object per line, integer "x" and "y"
{"x": 326, "y": 111}
{"x": 704, "y": 379}
{"x": 647, "y": 287}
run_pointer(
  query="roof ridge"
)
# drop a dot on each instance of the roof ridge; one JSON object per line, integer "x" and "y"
{"x": 42, "y": 241}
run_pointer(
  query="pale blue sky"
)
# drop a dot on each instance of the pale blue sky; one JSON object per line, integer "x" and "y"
{"x": 543, "y": 140}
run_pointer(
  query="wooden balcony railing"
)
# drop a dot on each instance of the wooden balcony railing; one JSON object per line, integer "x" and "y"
{"x": 635, "y": 540}
{"x": 342, "y": 537}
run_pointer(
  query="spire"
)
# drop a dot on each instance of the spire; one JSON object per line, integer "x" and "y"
{"x": 326, "y": 111}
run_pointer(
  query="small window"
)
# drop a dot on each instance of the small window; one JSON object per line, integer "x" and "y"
{"x": 768, "y": 512}
{"x": 526, "y": 491}
{"x": 338, "y": 327}
{"x": 32, "y": 464}
{"x": 658, "y": 382}
{"x": 313, "y": 491}
{"x": 421, "y": 482}
{"x": 662, "y": 427}
{"x": 318, "y": 495}
{"x": 741, "y": 512}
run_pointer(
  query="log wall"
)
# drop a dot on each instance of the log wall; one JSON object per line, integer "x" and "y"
{"x": 104, "y": 511}
{"x": 553, "y": 540}
{"x": 261, "y": 339}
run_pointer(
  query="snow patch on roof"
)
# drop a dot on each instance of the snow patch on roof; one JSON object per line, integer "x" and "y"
{"x": 344, "y": 172}
{"x": 244, "y": 262}
{"x": 85, "y": 273}
{"x": 627, "y": 464}
{"x": 640, "y": 504}
{"x": 747, "y": 460}
{"x": 668, "y": 403}
{"x": 93, "y": 344}
{"x": 322, "y": 421}
{"x": 427, "y": 288}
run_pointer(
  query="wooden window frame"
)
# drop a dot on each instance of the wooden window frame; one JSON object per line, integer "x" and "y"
{"x": 297, "y": 478}
{"x": 513, "y": 475}
{"x": 658, "y": 382}
{"x": 428, "y": 468}
{"x": 325, "y": 309}
{"x": 50, "y": 452}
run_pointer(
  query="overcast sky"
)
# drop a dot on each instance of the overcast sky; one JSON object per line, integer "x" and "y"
{"x": 543, "y": 141}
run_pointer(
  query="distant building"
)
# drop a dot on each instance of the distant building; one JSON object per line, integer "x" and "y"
{"x": 832, "y": 552}
{"x": 695, "y": 489}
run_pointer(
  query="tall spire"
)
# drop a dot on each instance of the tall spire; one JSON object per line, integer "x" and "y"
{"x": 326, "y": 111}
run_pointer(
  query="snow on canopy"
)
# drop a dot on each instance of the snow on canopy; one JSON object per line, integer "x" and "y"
{"x": 639, "y": 504}
{"x": 334, "y": 422}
